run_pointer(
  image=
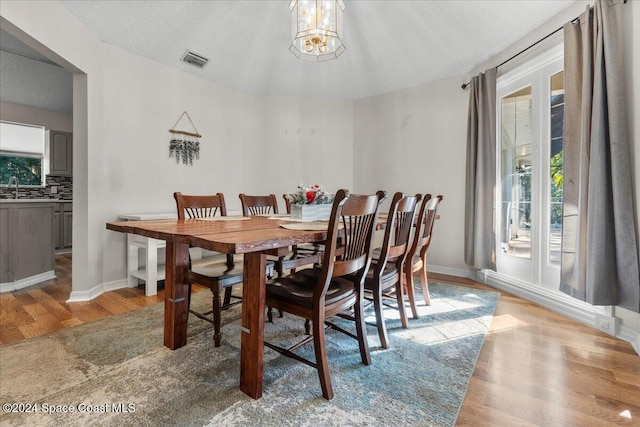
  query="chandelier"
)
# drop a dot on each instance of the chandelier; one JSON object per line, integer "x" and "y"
{"x": 316, "y": 27}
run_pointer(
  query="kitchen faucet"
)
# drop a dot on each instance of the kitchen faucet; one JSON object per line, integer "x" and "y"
{"x": 14, "y": 180}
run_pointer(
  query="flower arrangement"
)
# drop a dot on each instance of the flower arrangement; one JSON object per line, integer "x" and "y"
{"x": 314, "y": 195}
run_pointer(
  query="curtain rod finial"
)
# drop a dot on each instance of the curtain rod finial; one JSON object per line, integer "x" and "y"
{"x": 465, "y": 85}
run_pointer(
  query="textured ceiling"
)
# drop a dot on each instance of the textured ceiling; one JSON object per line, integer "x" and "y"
{"x": 390, "y": 44}
{"x": 28, "y": 78}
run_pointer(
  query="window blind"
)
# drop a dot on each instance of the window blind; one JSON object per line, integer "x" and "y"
{"x": 21, "y": 140}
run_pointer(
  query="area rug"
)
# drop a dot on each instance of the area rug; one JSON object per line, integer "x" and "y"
{"x": 117, "y": 372}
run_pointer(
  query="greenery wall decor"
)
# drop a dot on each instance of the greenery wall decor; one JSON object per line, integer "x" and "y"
{"x": 185, "y": 149}
{"x": 186, "y": 146}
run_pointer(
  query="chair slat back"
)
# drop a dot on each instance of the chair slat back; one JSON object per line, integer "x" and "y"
{"x": 397, "y": 230}
{"x": 348, "y": 245}
{"x": 287, "y": 202}
{"x": 424, "y": 225}
{"x": 199, "y": 206}
{"x": 430, "y": 219}
{"x": 259, "y": 205}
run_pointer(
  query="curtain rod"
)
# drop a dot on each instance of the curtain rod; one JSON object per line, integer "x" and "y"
{"x": 465, "y": 85}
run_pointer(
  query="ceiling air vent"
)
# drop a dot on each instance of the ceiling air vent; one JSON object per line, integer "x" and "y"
{"x": 195, "y": 59}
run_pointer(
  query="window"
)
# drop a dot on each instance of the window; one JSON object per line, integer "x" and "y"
{"x": 22, "y": 153}
{"x": 530, "y": 146}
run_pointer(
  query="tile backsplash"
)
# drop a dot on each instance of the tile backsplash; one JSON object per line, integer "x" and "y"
{"x": 64, "y": 186}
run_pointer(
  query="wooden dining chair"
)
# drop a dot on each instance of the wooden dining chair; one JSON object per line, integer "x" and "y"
{"x": 320, "y": 292}
{"x": 416, "y": 259}
{"x": 268, "y": 205}
{"x": 216, "y": 273}
{"x": 306, "y": 249}
{"x": 265, "y": 205}
{"x": 384, "y": 279}
{"x": 259, "y": 205}
{"x": 287, "y": 202}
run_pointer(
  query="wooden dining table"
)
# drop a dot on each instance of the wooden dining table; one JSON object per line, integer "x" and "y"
{"x": 255, "y": 237}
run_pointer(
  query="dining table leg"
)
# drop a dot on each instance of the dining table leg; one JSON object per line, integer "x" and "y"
{"x": 176, "y": 295}
{"x": 252, "y": 330}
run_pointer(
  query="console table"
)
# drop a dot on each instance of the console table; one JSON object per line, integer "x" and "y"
{"x": 152, "y": 272}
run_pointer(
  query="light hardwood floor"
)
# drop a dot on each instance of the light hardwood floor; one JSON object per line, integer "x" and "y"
{"x": 536, "y": 368}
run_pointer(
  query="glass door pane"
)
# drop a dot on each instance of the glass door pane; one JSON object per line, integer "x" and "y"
{"x": 515, "y": 158}
{"x": 555, "y": 167}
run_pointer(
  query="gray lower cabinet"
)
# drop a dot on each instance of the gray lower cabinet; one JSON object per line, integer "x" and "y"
{"x": 63, "y": 225}
{"x": 26, "y": 240}
{"x": 57, "y": 225}
{"x": 5, "y": 253}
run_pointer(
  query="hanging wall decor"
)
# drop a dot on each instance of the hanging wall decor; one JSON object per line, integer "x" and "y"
{"x": 184, "y": 145}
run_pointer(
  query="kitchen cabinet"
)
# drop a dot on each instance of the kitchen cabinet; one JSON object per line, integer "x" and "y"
{"x": 60, "y": 153}
{"x": 63, "y": 225}
{"x": 26, "y": 243}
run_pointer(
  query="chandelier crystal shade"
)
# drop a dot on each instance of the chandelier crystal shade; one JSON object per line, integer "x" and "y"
{"x": 316, "y": 27}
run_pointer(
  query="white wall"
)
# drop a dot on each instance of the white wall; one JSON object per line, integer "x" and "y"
{"x": 288, "y": 141}
{"x": 414, "y": 141}
{"x": 36, "y": 116}
{"x": 245, "y": 142}
{"x": 142, "y": 101}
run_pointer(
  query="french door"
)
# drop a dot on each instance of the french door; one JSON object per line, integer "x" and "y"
{"x": 530, "y": 115}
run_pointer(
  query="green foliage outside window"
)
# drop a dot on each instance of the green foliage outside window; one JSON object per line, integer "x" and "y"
{"x": 556, "y": 189}
{"x": 28, "y": 170}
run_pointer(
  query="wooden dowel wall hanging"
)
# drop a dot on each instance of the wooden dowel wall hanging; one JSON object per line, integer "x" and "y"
{"x": 184, "y": 144}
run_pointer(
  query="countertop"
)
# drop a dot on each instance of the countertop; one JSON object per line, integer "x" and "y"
{"x": 10, "y": 201}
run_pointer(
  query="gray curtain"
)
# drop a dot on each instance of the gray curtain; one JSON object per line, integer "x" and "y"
{"x": 599, "y": 247}
{"x": 479, "y": 227}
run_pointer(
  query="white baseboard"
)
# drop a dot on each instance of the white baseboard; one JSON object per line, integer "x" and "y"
{"x": 96, "y": 291}
{"x": 451, "y": 271}
{"x": 631, "y": 336}
{"x": 563, "y": 304}
{"x": 555, "y": 301}
{"x": 116, "y": 284}
{"x": 28, "y": 281}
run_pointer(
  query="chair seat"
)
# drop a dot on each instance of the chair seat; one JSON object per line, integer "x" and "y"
{"x": 297, "y": 288}
{"x": 217, "y": 269}
{"x": 389, "y": 275}
{"x": 375, "y": 254}
{"x": 416, "y": 263}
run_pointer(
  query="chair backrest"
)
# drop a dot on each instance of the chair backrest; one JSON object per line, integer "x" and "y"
{"x": 396, "y": 241}
{"x": 199, "y": 206}
{"x": 287, "y": 202}
{"x": 424, "y": 225}
{"x": 259, "y": 205}
{"x": 349, "y": 237}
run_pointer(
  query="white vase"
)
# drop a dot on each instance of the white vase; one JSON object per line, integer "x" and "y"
{"x": 311, "y": 212}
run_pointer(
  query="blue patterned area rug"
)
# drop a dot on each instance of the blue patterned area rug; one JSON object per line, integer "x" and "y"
{"x": 116, "y": 372}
